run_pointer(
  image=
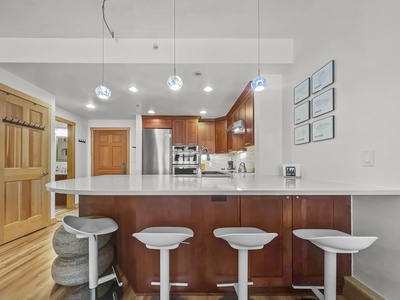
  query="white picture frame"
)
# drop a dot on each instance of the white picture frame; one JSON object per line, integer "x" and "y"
{"x": 302, "y": 134}
{"x": 323, "y": 77}
{"x": 323, "y": 129}
{"x": 323, "y": 103}
{"x": 301, "y": 91}
{"x": 302, "y": 113}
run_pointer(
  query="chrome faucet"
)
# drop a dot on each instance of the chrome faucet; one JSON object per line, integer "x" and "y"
{"x": 208, "y": 158}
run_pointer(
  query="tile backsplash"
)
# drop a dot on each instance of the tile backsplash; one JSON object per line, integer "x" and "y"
{"x": 219, "y": 162}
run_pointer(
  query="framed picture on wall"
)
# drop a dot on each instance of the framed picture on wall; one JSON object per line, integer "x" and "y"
{"x": 302, "y": 113}
{"x": 323, "y": 103}
{"x": 302, "y": 91}
{"x": 323, "y": 77}
{"x": 323, "y": 129}
{"x": 302, "y": 134}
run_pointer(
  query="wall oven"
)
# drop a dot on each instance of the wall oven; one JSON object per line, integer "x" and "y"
{"x": 185, "y": 160}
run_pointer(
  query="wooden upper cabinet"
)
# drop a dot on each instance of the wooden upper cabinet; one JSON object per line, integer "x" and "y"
{"x": 191, "y": 131}
{"x": 249, "y": 119}
{"x": 185, "y": 131}
{"x": 179, "y": 132}
{"x": 207, "y": 135}
{"x": 156, "y": 122}
{"x": 221, "y": 136}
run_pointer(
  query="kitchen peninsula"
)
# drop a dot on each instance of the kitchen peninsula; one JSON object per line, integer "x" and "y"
{"x": 271, "y": 203}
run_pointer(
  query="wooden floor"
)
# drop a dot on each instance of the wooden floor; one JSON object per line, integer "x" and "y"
{"x": 25, "y": 272}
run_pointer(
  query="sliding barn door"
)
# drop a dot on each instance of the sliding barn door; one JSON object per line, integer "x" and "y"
{"x": 24, "y": 163}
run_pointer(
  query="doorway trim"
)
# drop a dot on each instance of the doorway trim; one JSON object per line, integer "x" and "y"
{"x": 70, "y": 157}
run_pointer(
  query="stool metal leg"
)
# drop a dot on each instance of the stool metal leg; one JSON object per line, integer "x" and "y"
{"x": 243, "y": 275}
{"x": 164, "y": 274}
{"x": 93, "y": 267}
{"x": 329, "y": 276}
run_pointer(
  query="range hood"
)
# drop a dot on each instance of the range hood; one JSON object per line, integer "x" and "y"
{"x": 237, "y": 127}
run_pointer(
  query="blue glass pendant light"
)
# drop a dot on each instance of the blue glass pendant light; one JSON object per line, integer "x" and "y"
{"x": 259, "y": 83}
{"x": 174, "y": 81}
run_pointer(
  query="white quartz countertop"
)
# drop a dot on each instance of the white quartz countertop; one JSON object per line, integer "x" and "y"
{"x": 238, "y": 184}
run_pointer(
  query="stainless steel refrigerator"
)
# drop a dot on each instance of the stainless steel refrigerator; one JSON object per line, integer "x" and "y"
{"x": 156, "y": 151}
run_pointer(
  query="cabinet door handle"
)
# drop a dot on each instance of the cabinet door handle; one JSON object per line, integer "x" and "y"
{"x": 124, "y": 168}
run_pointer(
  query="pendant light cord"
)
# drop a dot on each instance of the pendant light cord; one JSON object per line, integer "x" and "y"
{"x": 112, "y": 35}
{"x": 174, "y": 41}
{"x": 258, "y": 26}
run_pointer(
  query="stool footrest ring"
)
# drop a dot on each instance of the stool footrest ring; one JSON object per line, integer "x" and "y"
{"x": 109, "y": 277}
{"x": 232, "y": 284}
{"x": 315, "y": 289}
{"x": 171, "y": 283}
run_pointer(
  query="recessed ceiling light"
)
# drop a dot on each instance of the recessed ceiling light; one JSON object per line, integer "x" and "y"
{"x": 208, "y": 89}
{"x": 203, "y": 112}
{"x": 90, "y": 105}
{"x": 133, "y": 89}
{"x": 151, "y": 111}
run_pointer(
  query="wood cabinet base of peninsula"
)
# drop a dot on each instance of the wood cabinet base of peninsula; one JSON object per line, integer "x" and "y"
{"x": 208, "y": 260}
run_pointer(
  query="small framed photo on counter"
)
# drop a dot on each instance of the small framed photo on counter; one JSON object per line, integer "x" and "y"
{"x": 302, "y": 134}
{"x": 323, "y": 129}
{"x": 323, "y": 77}
{"x": 302, "y": 91}
{"x": 302, "y": 113}
{"x": 323, "y": 103}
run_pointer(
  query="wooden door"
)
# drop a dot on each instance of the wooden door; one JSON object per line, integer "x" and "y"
{"x": 24, "y": 164}
{"x": 110, "y": 151}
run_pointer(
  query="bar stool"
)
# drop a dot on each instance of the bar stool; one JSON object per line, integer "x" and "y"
{"x": 90, "y": 228}
{"x": 164, "y": 239}
{"x": 243, "y": 239}
{"x": 332, "y": 242}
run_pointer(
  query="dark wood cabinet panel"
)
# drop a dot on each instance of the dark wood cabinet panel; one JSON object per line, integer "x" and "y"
{"x": 208, "y": 260}
{"x": 325, "y": 212}
{"x": 221, "y": 136}
{"x": 191, "y": 131}
{"x": 156, "y": 122}
{"x": 249, "y": 119}
{"x": 61, "y": 199}
{"x": 207, "y": 135}
{"x": 272, "y": 265}
{"x": 179, "y": 132}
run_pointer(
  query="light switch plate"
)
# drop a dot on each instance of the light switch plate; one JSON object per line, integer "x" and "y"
{"x": 368, "y": 158}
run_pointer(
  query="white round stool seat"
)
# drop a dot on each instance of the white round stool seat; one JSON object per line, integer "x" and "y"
{"x": 250, "y": 238}
{"x": 243, "y": 239}
{"x": 334, "y": 240}
{"x": 84, "y": 227}
{"x": 90, "y": 228}
{"x": 163, "y": 237}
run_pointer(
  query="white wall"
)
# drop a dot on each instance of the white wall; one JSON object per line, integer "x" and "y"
{"x": 116, "y": 123}
{"x": 363, "y": 39}
{"x": 268, "y": 127}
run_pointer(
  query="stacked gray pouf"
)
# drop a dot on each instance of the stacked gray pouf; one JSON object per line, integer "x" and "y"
{"x": 71, "y": 267}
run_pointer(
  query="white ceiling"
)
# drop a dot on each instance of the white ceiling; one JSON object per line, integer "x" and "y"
{"x": 72, "y": 80}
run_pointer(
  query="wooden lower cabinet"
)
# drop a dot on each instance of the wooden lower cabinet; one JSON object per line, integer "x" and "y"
{"x": 271, "y": 266}
{"x": 61, "y": 199}
{"x": 319, "y": 212}
{"x": 207, "y": 260}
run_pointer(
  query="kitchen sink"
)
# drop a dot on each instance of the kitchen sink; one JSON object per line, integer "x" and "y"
{"x": 215, "y": 174}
